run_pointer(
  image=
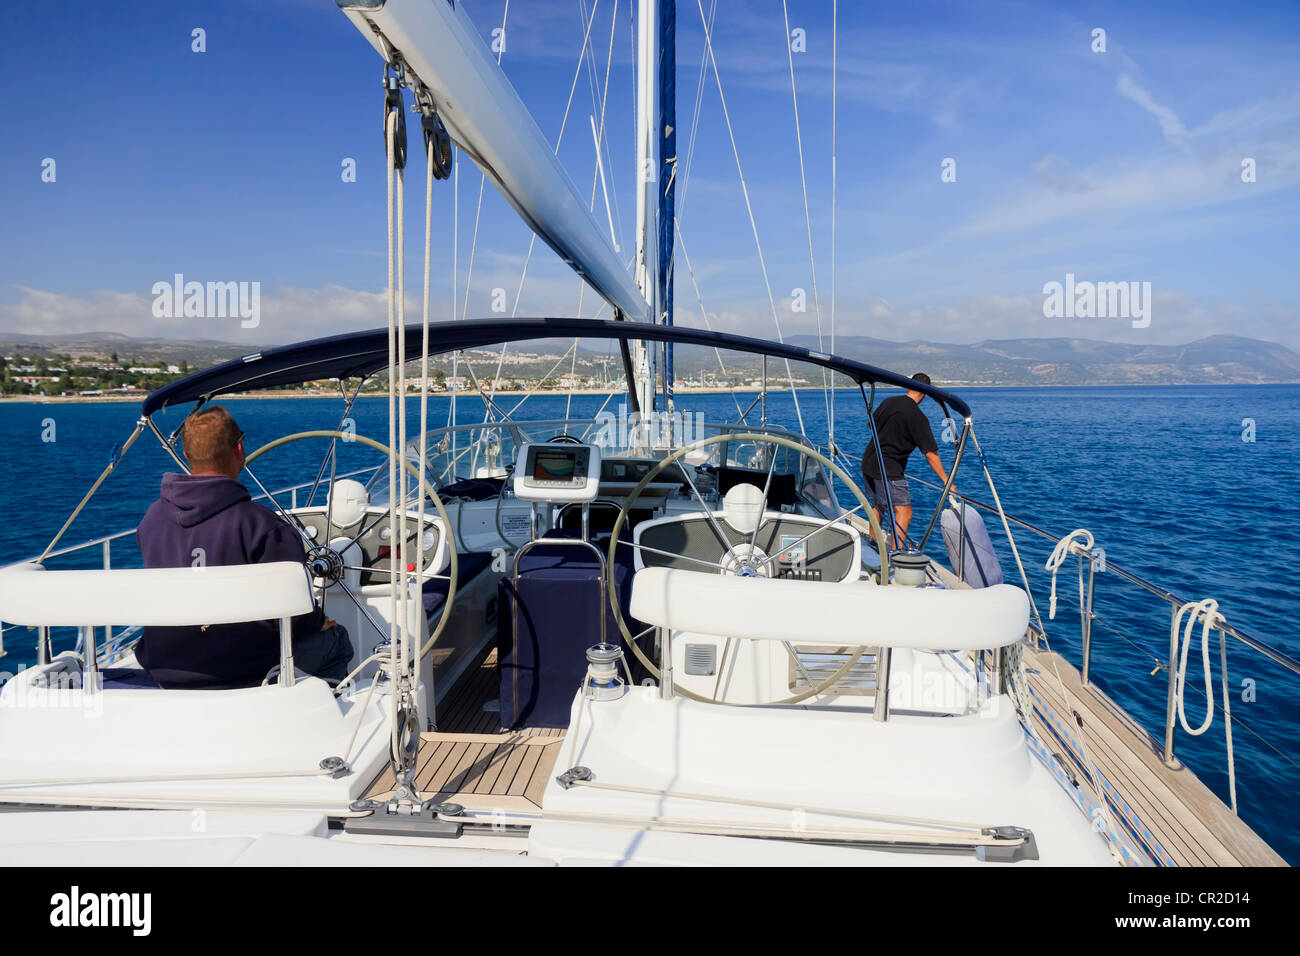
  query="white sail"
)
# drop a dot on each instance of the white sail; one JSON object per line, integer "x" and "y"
{"x": 487, "y": 120}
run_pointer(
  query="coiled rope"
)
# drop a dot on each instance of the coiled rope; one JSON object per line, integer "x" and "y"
{"x": 1206, "y": 611}
{"x": 1064, "y": 548}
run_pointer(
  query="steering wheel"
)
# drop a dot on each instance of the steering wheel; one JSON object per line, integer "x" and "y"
{"x": 743, "y": 558}
{"x": 564, "y": 437}
{"x": 428, "y": 490}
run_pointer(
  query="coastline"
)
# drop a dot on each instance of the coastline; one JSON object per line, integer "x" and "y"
{"x": 469, "y": 393}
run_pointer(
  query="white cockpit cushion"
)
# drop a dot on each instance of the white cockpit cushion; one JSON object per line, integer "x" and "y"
{"x": 34, "y": 597}
{"x": 819, "y": 612}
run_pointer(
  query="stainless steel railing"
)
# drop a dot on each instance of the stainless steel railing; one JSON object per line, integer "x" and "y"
{"x": 1098, "y": 561}
{"x": 106, "y": 543}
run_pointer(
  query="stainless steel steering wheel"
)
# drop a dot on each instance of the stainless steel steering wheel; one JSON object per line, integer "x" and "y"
{"x": 427, "y": 488}
{"x": 757, "y": 438}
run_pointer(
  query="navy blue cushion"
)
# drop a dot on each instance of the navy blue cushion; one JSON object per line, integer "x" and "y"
{"x": 472, "y": 489}
{"x": 127, "y": 677}
{"x": 468, "y": 566}
{"x": 549, "y": 618}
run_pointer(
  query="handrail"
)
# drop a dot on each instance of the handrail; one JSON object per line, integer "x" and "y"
{"x": 644, "y": 418}
{"x": 1178, "y": 607}
{"x": 1277, "y": 656}
{"x": 450, "y": 457}
{"x": 122, "y": 534}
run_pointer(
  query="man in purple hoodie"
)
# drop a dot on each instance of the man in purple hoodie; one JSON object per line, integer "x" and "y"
{"x": 208, "y": 517}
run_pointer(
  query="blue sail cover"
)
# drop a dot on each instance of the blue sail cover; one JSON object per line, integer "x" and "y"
{"x": 667, "y": 174}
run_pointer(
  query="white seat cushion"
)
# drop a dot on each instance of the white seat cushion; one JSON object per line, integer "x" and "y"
{"x": 774, "y": 609}
{"x": 34, "y": 597}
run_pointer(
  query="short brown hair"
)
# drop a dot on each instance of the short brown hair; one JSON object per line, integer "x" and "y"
{"x": 210, "y": 437}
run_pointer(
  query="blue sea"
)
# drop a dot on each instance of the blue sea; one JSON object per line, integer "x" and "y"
{"x": 1163, "y": 476}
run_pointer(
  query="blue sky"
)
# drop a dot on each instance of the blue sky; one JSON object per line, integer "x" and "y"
{"x": 1115, "y": 166}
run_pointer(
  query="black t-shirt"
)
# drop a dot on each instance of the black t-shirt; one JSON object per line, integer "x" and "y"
{"x": 902, "y": 426}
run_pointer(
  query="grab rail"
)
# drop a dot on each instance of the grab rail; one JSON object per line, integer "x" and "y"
{"x": 1176, "y": 602}
{"x": 1273, "y": 653}
{"x": 106, "y": 541}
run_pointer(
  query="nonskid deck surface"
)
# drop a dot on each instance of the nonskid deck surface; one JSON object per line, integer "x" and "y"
{"x": 1180, "y": 821}
{"x": 1185, "y": 823}
{"x": 469, "y": 761}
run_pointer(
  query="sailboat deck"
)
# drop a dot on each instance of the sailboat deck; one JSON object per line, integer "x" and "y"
{"x": 1180, "y": 821}
{"x": 1177, "y": 819}
{"x": 470, "y": 761}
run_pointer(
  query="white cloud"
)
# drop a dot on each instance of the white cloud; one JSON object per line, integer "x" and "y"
{"x": 293, "y": 314}
{"x": 290, "y": 314}
{"x": 1177, "y": 318}
{"x": 1169, "y": 122}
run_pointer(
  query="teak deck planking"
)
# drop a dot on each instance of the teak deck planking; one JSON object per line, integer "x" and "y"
{"x": 469, "y": 760}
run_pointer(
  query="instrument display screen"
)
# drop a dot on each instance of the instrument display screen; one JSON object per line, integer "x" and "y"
{"x": 558, "y": 472}
{"x": 551, "y": 465}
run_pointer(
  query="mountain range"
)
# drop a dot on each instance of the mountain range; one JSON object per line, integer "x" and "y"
{"x": 1216, "y": 359}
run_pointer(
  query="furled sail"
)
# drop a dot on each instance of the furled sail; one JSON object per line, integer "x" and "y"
{"x": 667, "y": 175}
{"x": 487, "y": 120}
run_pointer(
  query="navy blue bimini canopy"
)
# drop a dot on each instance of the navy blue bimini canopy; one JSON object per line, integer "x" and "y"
{"x": 360, "y": 354}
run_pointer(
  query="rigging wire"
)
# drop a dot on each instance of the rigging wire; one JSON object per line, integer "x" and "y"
{"x": 681, "y": 205}
{"x": 603, "y": 136}
{"x": 532, "y": 241}
{"x": 749, "y": 208}
{"x": 690, "y": 270}
{"x": 695, "y": 119}
{"x": 835, "y": 53}
{"x": 482, "y": 179}
{"x": 807, "y": 213}
{"x": 599, "y": 133}
{"x": 478, "y": 211}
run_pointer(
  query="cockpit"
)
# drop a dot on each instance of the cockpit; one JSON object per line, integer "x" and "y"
{"x": 553, "y": 520}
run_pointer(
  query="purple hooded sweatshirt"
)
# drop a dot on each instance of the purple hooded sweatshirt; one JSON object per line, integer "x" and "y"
{"x": 216, "y": 514}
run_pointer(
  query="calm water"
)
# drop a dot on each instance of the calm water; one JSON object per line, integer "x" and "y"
{"x": 1161, "y": 476}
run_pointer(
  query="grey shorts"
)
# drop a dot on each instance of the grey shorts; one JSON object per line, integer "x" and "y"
{"x": 897, "y": 491}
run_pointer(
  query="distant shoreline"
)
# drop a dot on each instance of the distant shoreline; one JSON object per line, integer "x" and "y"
{"x": 470, "y": 394}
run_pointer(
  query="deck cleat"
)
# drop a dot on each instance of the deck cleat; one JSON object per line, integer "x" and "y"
{"x": 336, "y": 767}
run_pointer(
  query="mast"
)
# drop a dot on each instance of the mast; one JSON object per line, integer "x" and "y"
{"x": 647, "y": 177}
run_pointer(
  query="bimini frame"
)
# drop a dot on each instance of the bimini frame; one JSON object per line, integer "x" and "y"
{"x": 362, "y": 354}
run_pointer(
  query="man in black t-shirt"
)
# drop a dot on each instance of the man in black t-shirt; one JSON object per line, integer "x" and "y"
{"x": 901, "y": 427}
